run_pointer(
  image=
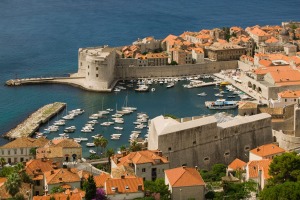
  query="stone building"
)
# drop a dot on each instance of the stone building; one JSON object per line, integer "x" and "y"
{"x": 146, "y": 164}
{"x": 185, "y": 183}
{"x": 181, "y": 56}
{"x": 64, "y": 150}
{"x": 147, "y": 44}
{"x": 225, "y": 51}
{"x": 97, "y": 66}
{"x": 266, "y": 151}
{"x": 152, "y": 59}
{"x": 205, "y": 141}
{"x": 18, "y": 150}
{"x": 257, "y": 34}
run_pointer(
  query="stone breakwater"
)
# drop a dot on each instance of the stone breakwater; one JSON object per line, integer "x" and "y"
{"x": 33, "y": 122}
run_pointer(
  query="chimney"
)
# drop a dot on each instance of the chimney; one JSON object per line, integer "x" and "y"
{"x": 116, "y": 189}
{"x": 122, "y": 176}
{"x": 196, "y": 167}
{"x": 258, "y": 149}
{"x": 140, "y": 187}
{"x": 159, "y": 153}
{"x": 52, "y": 172}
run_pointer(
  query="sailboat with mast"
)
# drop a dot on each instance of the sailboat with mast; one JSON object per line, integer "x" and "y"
{"x": 126, "y": 107}
{"x": 102, "y": 111}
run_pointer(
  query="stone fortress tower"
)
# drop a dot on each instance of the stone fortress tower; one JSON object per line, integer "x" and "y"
{"x": 97, "y": 66}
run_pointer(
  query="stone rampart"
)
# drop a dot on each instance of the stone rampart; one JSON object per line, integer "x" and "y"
{"x": 173, "y": 70}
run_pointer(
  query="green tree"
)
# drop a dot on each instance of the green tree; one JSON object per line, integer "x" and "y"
{"x": 103, "y": 144}
{"x": 6, "y": 171}
{"x": 2, "y": 162}
{"x": 90, "y": 188}
{"x": 52, "y": 198}
{"x": 57, "y": 189}
{"x": 122, "y": 148}
{"x": 19, "y": 197}
{"x": 19, "y": 167}
{"x": 97, "y": 142}
{"x": 173, "y": 63}
{"x": 284, "y": 168}
{"x": 134, "y": 146}
{"x": 158, "y": 186}
{"x": 286, "y": 191}
{"x": 32, "y": 151}
{"x": 239, "y": 190}
{"x": 13, "y": 184}
{"x": 109, "y": 153}
{"x": 215, "y": 174}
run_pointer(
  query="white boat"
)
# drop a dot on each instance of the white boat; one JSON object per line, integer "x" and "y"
{"x": 105, "y": 124}
{"x": 92, "y": 121}
{"x": 221, "y": 104}
{"x": 90, "y": 144}
{"x": 126, "y": 107}
{"x": 117, "y": 115}
{"x": 97, "y": 136}
{"x": 118, "y": 128}
{"x": 92, "y": 151}
{"x": 137, "y": 123}
{"x": 117, "y": 90}
{"x": 142, "y": 88}
{"x": 152, "y": 89}
{"x": 81, "y": 139}
{"x": 110, "y": 109}
{"x": 78, "y": 141}
{"x": 70, "y": 116}
{"x": 244, "y": 97}
{"x": 202, "y": 94}
{"x": 119, "y": 121}
{"x": 59, "y": 122}
{"x": 63, "y": 135}
{"x": 116, "y": 134}
{"x": 171, "y": 84}
{"x": 115, "y": 138}
{"x": 219, "y": 95}
{"x": 86, "y": 130}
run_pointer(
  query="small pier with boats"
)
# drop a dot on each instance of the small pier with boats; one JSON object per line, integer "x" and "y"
{"x": 30, "y": 125}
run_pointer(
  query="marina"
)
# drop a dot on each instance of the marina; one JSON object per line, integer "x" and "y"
{"x": 129, "y": 123}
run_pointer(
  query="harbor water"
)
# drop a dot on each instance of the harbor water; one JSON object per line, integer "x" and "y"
{"x": 41, "y": 39}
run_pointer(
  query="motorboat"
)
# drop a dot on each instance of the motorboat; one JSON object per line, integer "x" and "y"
{"x": 221, "y": 104}
{"x": 97, "y": 136}
{"x": 61, "y": 122}
{"x": 105, "y": 124}
{"x": 152, "y": 89}
{"x": 118, "y": 128}
{"x": 69, "y": 116}
{"x": 219, "y": 95}
{"x": 90, "y": 144}
{"x": 171, "y": 84}
{"x": 81, "y": 139}
{"x": 202, "y": 94}
{"x": 70, "y": 129}
{"x": 142, "y": 88}
{"x": 92, "y": 151}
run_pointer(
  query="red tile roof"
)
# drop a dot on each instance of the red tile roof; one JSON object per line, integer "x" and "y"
{"x": 61, "y": 176}
{"x": 255, "y": 165}
{"x": 267, "y": 150}
{"x": 124, "y": 185}
{"x": 100, "y": 179}
{"x": 38, "y": 166}
{"x": 76, "y": 194}
{"x": 237, "y": 164}
{"x": 184, "y": 176}
{"x": 290, "y": 94}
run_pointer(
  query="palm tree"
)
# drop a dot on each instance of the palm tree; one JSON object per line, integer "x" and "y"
{"x": 103, "y": 143}
{"x": 2, "y": 162}
{"x": 122, "y": 148}
{"x": 135, "y": 146}
{"x": 109, "y": 153}
{"x": 97, "y": 142}
{"x": 13, "y": 184}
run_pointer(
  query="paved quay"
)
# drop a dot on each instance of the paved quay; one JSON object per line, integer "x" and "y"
{"x": 33, "y": 122}
{"x": 244, "y": 88}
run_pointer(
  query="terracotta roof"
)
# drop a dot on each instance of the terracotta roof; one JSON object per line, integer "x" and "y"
{"x": 288, "y": 77}
{"x": 38, "y": 166}
{"x": 141, "y": 157}
{"x": 25, "y": 142}
{"x": 66, "y": 143}
{"x": 271, "y": 40}
{"x": 267, "y": 150}
{"x": 100, "y": 179}
{"x": 124, "y": 185}
{"x": 61, "y": 176}
{"x": 122, "y": 171}
{"x": 23, "y": 190}
{"x": 237, "y": 164}
{"x": 257, "y": 31}
{"x": 290, "y": 94}
{"x": 76, "y": 194}
{"x": 184, "y": 176}
{"x": 255, "y": 165}
{"x": 265, "y": 63}
{"x": 265, "y": 70}
{"x": 170, "y": 38}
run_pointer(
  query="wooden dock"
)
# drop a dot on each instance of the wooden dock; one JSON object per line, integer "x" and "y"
{"x": 33, "y": 122}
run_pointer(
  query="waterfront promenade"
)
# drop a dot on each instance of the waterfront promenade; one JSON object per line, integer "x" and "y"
{"x": 32, "y": 123}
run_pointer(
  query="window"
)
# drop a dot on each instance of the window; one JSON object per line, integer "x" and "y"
{"x": 80, "y": 63}
{"x": 226, "y": 153}
{"x": 295, "y": 100}
{"x": 169, "y": 148}
{"x": 247, "y": 148}
{"x": 37, "y": 193}
{"x": 21, "y": 159}
{"x": 8, "y": 152}
{"x": 37, "y": 183}
{"x": 206, "y": 159}
{"x": 285, "y": 100}
{"x": 96, "y": 75}
{"x": 88, "y": 73}
{"x": 15, "y": 151}
{"x": 143, "y": 169}
{"x": 15, "y": 160}
{"x": 21, "y": 151}
{"x": 88, "y": 66}
{"x": 96, "y": 68}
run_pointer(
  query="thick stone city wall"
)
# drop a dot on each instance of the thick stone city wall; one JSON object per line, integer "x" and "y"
{"x": 207, "y": 145}
{"x": 174, "y": 70}
{"x": 285, "y": 141}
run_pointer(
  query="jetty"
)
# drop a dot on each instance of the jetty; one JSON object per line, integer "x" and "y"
{"x": 33, "y": 122}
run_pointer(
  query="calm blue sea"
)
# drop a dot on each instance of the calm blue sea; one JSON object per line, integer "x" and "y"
{"x": 41, "y": 38}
